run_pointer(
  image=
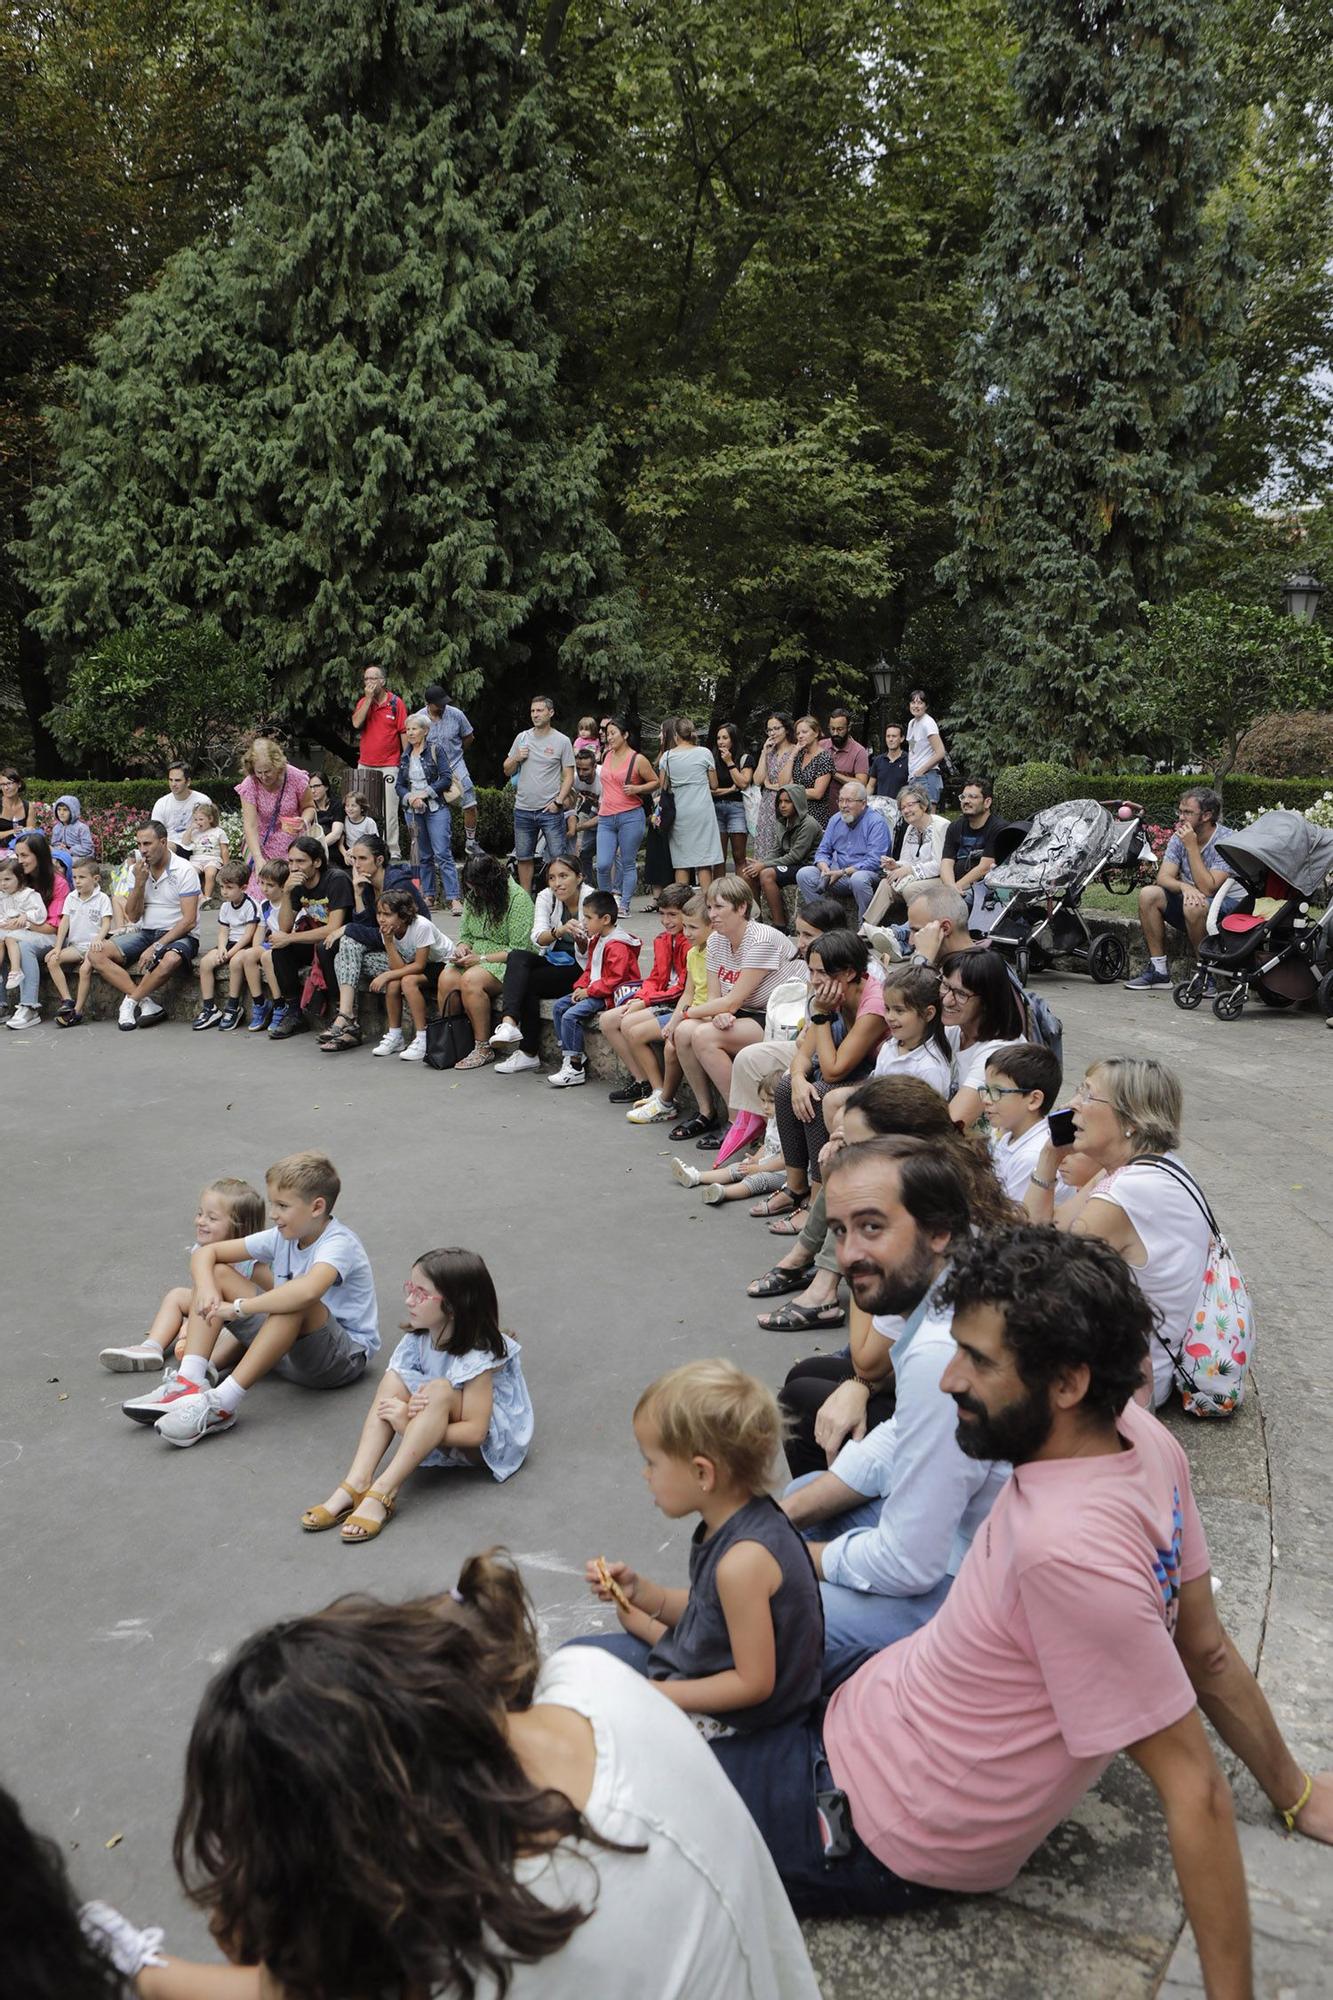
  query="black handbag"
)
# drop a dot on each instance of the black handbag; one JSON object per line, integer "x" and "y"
{"x": 665, "y": 816}
{"x": 448, "y": 1039}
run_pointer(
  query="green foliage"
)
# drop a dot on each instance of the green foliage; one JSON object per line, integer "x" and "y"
{"x": 1284, "y": 746}
{"x": 153, "y": 694}
{"x": 1023, "y": 790}
{"x": 1158, "y": 792}
{"x": 136, "y": 794}
{"x": 1211, "y": 668}
{"x": 338, "y": 430}
{"x": 1090, "y": 392}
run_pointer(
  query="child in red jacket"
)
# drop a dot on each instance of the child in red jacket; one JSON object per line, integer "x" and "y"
{"x": 632, "y": 1029}
{"x": 611, "y": 973}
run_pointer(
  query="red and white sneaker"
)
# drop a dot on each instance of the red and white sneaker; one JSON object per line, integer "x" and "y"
{"x": 169, "y": 1391}
{"x": 191, "y": 1418}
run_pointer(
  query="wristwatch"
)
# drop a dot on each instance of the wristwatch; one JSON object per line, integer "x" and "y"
{"x": 819, "y": 1020}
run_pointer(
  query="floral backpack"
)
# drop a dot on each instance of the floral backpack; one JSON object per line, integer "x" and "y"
{"x": 1212, "y": 1360}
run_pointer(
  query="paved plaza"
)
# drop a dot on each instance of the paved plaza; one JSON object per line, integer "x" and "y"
{"x": 130, "y": 1569}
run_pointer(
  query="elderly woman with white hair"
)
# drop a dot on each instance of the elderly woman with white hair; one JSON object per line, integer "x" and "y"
{"x": 1143, "y": 1201}
{"x": 918, "y": 847}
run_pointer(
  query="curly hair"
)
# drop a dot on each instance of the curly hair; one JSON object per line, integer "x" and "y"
{"x": 486, "y": 886}
{"x": 354, "y": 1811}
{"x": 907, "y": 1105}
{"x": 46, "y": 1954}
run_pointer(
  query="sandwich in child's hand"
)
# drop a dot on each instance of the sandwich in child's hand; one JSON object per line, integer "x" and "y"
{"x": 609, "y": 1584}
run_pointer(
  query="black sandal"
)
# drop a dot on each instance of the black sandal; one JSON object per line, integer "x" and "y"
{"x": 692, "y": 1128}
{"x": 777, "y": 1281}
{"x": 336, "y": 1026}
{"x": 348, "y": 1036}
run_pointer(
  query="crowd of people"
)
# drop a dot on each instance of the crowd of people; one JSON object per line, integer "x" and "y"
{"x": 983, "y": 1519}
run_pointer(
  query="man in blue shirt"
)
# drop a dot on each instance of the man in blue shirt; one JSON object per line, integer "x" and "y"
{"x": 847, "y": 859}
{"x": 450, "y": 735}
{"x": 1191, "y": 873}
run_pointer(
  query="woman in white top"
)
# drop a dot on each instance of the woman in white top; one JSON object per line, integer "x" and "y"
{"x": 1125, "y": 1110}
{"x": 483, "y": 1817}
{"x": 925, "y": 747}
{"x": 982, "y": 1013}
{"x": 918, "y": 846}
{"x": 559, "y": 953}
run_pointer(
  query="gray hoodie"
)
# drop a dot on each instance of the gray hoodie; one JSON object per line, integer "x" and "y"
{"x": 76, "y": 838}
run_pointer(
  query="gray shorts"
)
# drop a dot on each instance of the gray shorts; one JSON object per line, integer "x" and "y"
{"x": 329, "y": 1358}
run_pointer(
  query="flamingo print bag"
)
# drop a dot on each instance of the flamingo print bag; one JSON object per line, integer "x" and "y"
{"x": 1213, "y": 1358}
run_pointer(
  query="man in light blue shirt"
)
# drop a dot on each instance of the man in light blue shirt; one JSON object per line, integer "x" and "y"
{"x": 847, "y": 859}
{"x": 897, "y": 1511}
{"x": 450, "y": 733}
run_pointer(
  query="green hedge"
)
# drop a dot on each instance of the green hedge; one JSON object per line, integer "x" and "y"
{"x": 1022, "y": 790}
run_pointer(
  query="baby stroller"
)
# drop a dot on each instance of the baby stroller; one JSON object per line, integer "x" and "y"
{"x": 1267, "y": 943}
{"x": 1041, "y": 873}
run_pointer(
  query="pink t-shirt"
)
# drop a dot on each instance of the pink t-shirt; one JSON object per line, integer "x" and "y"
{"x": 273, "y": 808}
{"x": 961, "y": 1747}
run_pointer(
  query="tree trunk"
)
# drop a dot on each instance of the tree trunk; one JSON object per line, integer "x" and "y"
{"x": 35, "y": 689}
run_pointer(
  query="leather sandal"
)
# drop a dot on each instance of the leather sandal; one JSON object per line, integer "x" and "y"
{"x": 793, "y": 1318}
{"x": 369, "y": 1529}
{"x": 316, "y": 1519}
{"x": 691, "y": 1128}
{"x": 780, "y": 1202}
{"x": 336, "y": 1025}
{"x": 348, "y": 1036}
{"x": 790, "y": 1225}
{"x": 777, "y": 1281}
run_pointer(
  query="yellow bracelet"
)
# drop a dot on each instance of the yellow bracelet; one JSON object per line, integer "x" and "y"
{"x": 1288, "y": 1814}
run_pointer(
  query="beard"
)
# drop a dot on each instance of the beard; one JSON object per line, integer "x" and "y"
{"x": 898, "y": 1291}
{"x": 1014, "y": 1433}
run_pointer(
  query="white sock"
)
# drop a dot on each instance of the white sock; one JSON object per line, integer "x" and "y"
{"x": 194, "y": 1368}
{"x": 230, "y": 1394}
{"x": 1159, "y": 963}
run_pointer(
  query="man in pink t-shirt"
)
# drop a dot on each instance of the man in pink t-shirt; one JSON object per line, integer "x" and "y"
{"x": 1081, "y": 1623}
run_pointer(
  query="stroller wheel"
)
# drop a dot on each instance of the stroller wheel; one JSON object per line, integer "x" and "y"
{"x": 1324, "y": 997}
{"x": 1022, "y": 964}
{"x": 1189, "y": 993}
{"x": 1108, "y": 956}
{"x": 1229, "y": 1006}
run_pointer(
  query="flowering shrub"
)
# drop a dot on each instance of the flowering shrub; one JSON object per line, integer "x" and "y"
{"x": 1158, "y": 837}
{"x": 112, "y": 828}
{"x": 1318, "y": 814}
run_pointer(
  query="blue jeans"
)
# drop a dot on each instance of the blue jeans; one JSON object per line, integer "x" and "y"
{"x": 860, "y": 1623}
{"x": 527, "y": 827}
{"x": 435, "y": 853}
{"x": 859, "y": 887}
{"x": 619, "y": 838}
{"x": 32, "y": 950}
{"x": 572, "y": 1012}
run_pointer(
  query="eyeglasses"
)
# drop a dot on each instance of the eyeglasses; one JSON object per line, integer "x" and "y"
{"x": 991, "y": 1092}
{"x": 1084, "y": 1096}
{"x": 417, "y": 1295}
{"x": 955, "y": 992}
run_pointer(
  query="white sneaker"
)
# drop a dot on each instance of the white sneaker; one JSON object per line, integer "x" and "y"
{"x": 193, "y": 1417}
{"x": 24, "y": 1017}
{"x": 514, "y": 1065}
{"x": 715, "y": 1194}
{"x": 143, "y": 1358}
{"x": 14, "y": 981}
{"x": 687, "y": 1176}
{"x": 390, "y": 1044}
{"x": 567, "y": 1076}
{"x": 128, "y": 1014}
{"x": 126, "y": 1947}
{"x": 505, "y": 1034}
{"x": 415, "y": 1050}
{"x": 652, "y": 1110}
{"x": 149, "y": 1010}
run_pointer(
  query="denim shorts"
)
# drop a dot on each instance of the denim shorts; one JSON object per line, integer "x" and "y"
{"x": 730, "y": 816}
{"x": 663, "y": 1016}
{"x": 464, "y": 777}
{"x": 527, "y": 826}
{"x": 134, "y": 943}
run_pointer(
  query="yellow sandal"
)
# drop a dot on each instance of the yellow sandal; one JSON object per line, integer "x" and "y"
{"x": 316, "y": 1519}
{"x": 369, "y": 1529}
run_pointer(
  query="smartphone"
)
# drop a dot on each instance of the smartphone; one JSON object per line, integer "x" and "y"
{"x": 1060, "y": 1125}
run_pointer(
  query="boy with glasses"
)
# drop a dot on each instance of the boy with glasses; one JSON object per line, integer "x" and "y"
{"x": 1022, "y": 1083}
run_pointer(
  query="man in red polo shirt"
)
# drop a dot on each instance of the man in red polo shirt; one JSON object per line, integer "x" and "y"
{"x": 381, "y": 719}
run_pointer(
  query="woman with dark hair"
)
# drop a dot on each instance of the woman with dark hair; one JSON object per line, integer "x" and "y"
{"x": 844, "y": 1026}
{"x": 982, "y": 1013}
{"x": 657, "y": 870}
{"x": 401, "y": 1798}
{"x": 776, "y": 761}
{"x": 16, "y": 812}
{"x": 498, "y": 917}
{"x": 547, "y": 970}
{"x": 627, "y": 780}
{"x": 734, "y": 769}
{"x": 50, "y": 1951}
{"x": 32, "y": 851}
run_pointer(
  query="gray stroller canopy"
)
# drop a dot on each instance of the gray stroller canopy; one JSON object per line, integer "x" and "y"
{"x": 1064, "y": 846}
{"x": 1284, "y": 844}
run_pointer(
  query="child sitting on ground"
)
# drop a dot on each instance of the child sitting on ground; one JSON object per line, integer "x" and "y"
{"x": 227, "y": 1208}
{"x": 453, "y": 1395}
{"x": 631, "y": 1029}
{"x": 20, "y": 908}
{"x": 1022, "y": 1083}
{"x": 916, "y": 1044}
{"x": 207, "y": 845}
{"x": 318, "y": 1325}
{"x": 612, "y": 968}
{"x": 746, "y": 1639}
{"x": 85, "y": 920}
{"x": 255, "y": 963}
{"x": 762, "y": 1171}
{"x": 415, "y": 949}
{"x": 238, "y": 921}
{"x": 660, "y": 1105}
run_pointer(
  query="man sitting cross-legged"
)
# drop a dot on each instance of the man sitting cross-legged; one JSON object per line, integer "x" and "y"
{"x": 1081, "y": 1623}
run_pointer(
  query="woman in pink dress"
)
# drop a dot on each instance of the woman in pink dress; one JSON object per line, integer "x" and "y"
{"x": 276, "y": 804}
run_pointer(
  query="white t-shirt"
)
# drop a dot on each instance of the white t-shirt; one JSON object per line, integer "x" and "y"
{"x": 925, "y": 1062}
{"x": 1175, "y": 1234}
{"x": 971, "y": 1063}
{"x": 919, "y": 732}
{"x": 351, "y": 1296}
{"x": 236, "y": 917}
{"x": 421, "y": 931}
{"x": 1015, "y": 1160}
{"x": 175, "y": 814}
{"x": 162, "y": 896}
{"x": 701, "y": 1915}
{"x": 363, "y": 829}
{"x": 85, "y": 916}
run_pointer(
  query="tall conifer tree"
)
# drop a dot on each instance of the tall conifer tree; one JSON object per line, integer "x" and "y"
{"x": 338, "y": 427}
{"x": 1089, "y": 396}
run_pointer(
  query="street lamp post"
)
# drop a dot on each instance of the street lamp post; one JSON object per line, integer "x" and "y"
{"x": 1300, "y": 596}
{"x": 882, "y": 675}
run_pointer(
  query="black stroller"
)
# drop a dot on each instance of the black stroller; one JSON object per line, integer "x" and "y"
{"x": 1267, "y": 944}
{"x": 1042, "y": 872}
